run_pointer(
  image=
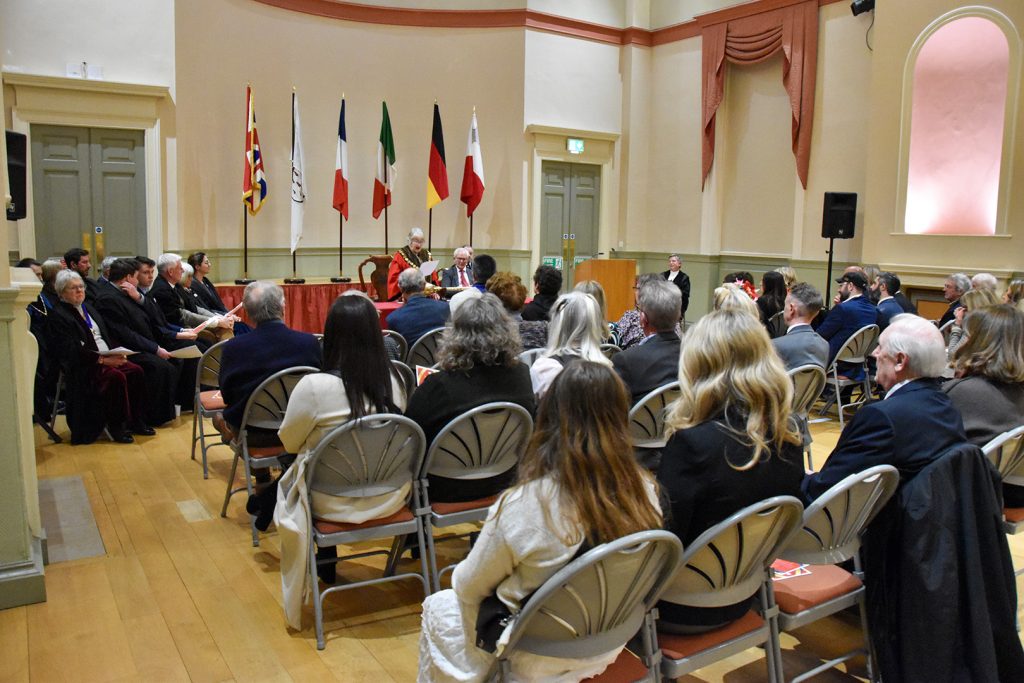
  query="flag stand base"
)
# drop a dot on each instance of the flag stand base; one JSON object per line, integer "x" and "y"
{"x": 295, "y": 280}
{"x": 244, "y": 281}
{"x": 341, "y": 279}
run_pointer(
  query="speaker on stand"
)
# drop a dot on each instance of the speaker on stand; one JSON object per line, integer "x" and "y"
{"x": 837, "y": 223}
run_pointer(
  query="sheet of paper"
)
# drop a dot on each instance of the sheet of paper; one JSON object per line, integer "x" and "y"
{"x": 234, "y": 310}
{"x": 428, "y": 268}
{"x": 422, "y": 373}
{"x": 187, "y": 352}
{"x": 119, "y": 351}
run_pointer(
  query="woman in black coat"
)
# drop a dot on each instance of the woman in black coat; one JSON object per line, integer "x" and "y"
{"x": 733, "y": 442}
{"x": 100, "y": 391}
{"x": 201, "y": 285}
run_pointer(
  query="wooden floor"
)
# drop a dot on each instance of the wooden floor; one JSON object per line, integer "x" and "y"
{"x": 181, "y": 594}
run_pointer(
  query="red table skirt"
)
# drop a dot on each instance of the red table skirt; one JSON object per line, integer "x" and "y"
{"x": 305, "y": 306}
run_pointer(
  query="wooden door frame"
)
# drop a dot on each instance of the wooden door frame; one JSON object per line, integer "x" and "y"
{"x": 52, "y": 100}
{"x": 549, "y": 144}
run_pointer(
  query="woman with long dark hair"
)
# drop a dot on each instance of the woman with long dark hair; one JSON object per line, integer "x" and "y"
{"x": 773, "y": 295}
{"x": 578, "y": 482}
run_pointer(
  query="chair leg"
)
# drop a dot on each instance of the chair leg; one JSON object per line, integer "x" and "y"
{"x": 200, "y": 417}
{"x": 424, "y": 562}
{"x": 231, "y": 482}
{"x": 773, "y": 648}
{"x": 196, "y": 418}
{"x": 810, "y": 457}
{"x": 431, "y": 550}
{"x": 317, "y": 605}
{"x": 394, "y": 555}
{"x": 249, "y": 489}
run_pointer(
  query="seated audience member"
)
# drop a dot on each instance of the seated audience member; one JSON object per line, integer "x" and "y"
{"x": 77, "y": 259}
{"x": 579, "y": 459}
{"x": 478, "y": 360}
{"x": 547, "y": 283}
{"x": 956, "y": 286}
{"x": 461, "y": 272}
{"x": 871, "y": 274}
{"x": 594, "y": 289}
{"x": 629, "y": 328}
{"x": 131, "y": 327}
{"x": 356, "y": 381}
{"x": 420, "y": 313}
{"x": 225, "y": 324}
{"x": 32, "y": 264}
{"x": 484, "y": 267}
{"x": 105, "y": 269}
{"x": 788, "y": 275}
{"x": 575, "y": 334}
{"x": 511, "y": 291}
{"x": 886, "y": 285}
{"x": 973, "y": 300}
{"x": 249, "y": 359}
{"x": 201, "y": 284}
{"x": 912, "y": 426}
{"x": 1014, "y": 294}
{"x": 853, "y": 313}
{"x": 773, "y": 296}
{"x": 732, "y": 441}
{"x": 48, "y": 296}
{"x": 989, "y": 386}
{"x": 47, "y": 367}
{"x": 165, "y": 292}
{"x": 984, "y": 281}
{"x": 801, "y": 345}
{"x": 100, "y": 391}
{"x": 732, "y": 297}
{"x": 681, "y": 280}
{"x": 146, "y": 277}
{"x": 744, "y": 281}
{"x": 654, "y": 362}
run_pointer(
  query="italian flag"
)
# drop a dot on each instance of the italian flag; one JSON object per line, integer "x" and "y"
{"x": 384, "y": 183}
{"x": 473, "y": 175}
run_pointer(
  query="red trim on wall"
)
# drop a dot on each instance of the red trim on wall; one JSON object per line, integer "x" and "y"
{"x": 526, "y": 18}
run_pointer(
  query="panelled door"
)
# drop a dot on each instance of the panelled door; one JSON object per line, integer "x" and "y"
{"x": 89, "y": 190}
{"x": 570, "y": 214}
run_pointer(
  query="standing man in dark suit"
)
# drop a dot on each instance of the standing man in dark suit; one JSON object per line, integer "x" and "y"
{"x": 855, "y": 312}
{"x": 801, "y": 345}
{"x": 680, "y": 280}
{"x": 955, "y": 287}
{"x": 654, "y": 362}
{"x": 912, "y": 426}
{"x": 419, "y": 314}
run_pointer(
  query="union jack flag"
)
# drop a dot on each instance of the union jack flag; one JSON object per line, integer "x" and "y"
{"x": 254, "y": 184}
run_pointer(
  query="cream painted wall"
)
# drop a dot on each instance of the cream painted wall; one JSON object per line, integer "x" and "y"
{"x": 323, "y": 58}
{"x": 605, "y": 12}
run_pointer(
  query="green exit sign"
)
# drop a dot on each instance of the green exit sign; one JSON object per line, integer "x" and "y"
{"x": 553, "y": 261}
{"x": 574, "y": 145}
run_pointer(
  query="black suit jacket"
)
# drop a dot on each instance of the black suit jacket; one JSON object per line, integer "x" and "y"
{"x": 127, "y": 320}
{"x": 682, "y": 281}
{"x": 450, "y": 276}
{"x": 539, "y": 308}
{"x": 649, "y": 365}
{"x": 950, "y": 313}
{"x": 208, "y": 296}
{"x": 162, "y": 292}
{"x": 908, "y": 430}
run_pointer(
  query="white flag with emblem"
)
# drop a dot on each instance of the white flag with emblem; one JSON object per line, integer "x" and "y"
{"x": 298, "y": 184}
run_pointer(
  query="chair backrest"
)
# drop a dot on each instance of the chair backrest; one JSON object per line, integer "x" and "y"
{"x": 946, "y": 329}
{"x": 403, "y": 345}
{"x": 857, "y": 347}
{"x": 208, "y": 370}
{"x": 482, "y": 442}
{"x": 832, "y": 524}
{"x": 808, "y": 381}
{"x": 371, "y": 456}
{"x": 598, "y": 601}
{"x": 424, "y": 351}
{"x": 407, "y": 377}
{"x": 267, "y": 404}
{"x": 530, "y": 356}
{"x": 647, "y": 417}
{"x": 777, "y": 325}
{"x": 727, "y": 563}
{"x": 609, "y": 350}
{"x": 1006, "y": 453}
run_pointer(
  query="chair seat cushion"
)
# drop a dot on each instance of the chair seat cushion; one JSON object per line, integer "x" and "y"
{"x": 452, "y": 508}
{"x": 212, "y": 400}
{"x": 257, "y": 452}
{"x": 824, "y": 583}
{"x": 625, "y": 669}
{"x": 1013, "y": 514}
{"x": 675, "y": 646}
{"x": 326, "y": 527}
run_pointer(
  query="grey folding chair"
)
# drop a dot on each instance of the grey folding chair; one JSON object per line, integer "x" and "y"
{"x": 855, "y": 350}
{"x": 264, "y": 410}
{"x": 371, "y": 456}
{"x": 597, "y": 603}
{"x": 424, "y": 351}
{"x": 831, "y": 533}
{"x": 946, "y": 329}
{"x": 647, "y": 417}
{"x": 407, "y": 377}
{"x": 206, "y": 404}
{"x": 483, "y": 442}
{"x": 1006, "y": 453}
{"x": 727, "y": 564}
{"x": 777, "y": 325}
{"x": 808, "y": 382}
{"x": 609, "y": 350}
{"x": 403, "y": 345}
{"x": 530, "y": 356}
{"x": 58, "y": 408}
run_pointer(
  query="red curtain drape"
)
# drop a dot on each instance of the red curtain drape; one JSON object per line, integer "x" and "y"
{"x": 752, "y": 39}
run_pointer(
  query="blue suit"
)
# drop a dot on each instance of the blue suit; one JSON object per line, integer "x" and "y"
{"x": 886, "y": 311}
{"x": 841, "y": 323}
{"x": 417, "y": 316}
{"x": 251, "y": 358}
{"x": 908, "y": 430}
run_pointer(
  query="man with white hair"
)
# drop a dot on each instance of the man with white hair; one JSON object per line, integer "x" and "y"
{"x": 912, "y": 426}
{"x": 984, "y": 281}
{"x": 461, "y": 272}
{"x": 956, "y": 286}
{"x": 420, "y": 313}
{"x": 169, "y": 272}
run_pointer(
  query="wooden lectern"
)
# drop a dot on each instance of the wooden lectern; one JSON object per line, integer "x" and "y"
{"x": 616, "y": 277}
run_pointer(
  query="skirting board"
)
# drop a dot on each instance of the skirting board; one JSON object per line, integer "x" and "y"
{"x": 23, "y": 583}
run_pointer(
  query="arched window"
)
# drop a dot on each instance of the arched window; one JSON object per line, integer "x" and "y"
{"x": 958, "y": 126}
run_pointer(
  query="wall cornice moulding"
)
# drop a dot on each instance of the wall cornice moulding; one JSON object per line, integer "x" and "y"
{"x": 15, "y": 78}
{"x": 525, "y": 18}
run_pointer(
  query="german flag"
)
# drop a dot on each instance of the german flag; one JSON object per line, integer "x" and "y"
{"x": 437, "y": 173}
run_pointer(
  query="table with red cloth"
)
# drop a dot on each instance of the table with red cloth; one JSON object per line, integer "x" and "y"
{"x": 306, "y": 305}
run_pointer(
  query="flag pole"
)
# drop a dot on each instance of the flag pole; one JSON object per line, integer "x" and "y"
{"x": 294, "y": 279}
{"x": 341, "y": 241}
{"x": 244, "y": 280}
{"x": 430, "y": 229}
{"x": 470, "y": 229}
{"x": 386, "y": 250}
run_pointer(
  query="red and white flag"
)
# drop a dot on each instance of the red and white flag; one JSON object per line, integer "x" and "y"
{"x": 340, "y": 202}
{"x": 473, "y": 175}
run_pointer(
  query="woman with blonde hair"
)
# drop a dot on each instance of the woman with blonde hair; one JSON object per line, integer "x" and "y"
{"x": 575, "y": 333}
{"x": 578, "y": 486}
{"x": 1014, "y": 293}
{"x": 732, "y": 297}
{"x": 594, "y": 289}
{"x": 788, "y": 275}
{"x": 732, "y": 441}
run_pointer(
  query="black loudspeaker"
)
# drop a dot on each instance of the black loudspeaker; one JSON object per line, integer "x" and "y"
{"x": 839, "y": 216}
{"x": 16, "y": 168}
